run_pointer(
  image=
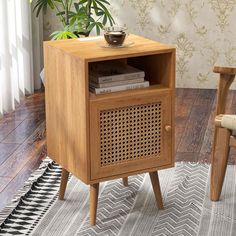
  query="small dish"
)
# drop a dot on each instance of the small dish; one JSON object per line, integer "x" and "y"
{"x": 104, "y": 44}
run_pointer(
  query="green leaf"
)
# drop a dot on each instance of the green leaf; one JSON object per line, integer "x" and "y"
{"x": 72, "y": 21}
{"x": 42, "y": 5}
{"x": 50, "y": 3}
{"x": 106, "y": 2}
{"x": 98, "y": 30}
{"x": 58, "y": 35}
{"x": 60, "y": 13}
{"x": 104, "y": 21}
{"x": 83, "y": 1}
{"x": 76, "y": 5}
{"x": 91, "y": 26}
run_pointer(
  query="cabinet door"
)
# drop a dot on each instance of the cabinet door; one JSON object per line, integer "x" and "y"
{"x": 130, "y": 134}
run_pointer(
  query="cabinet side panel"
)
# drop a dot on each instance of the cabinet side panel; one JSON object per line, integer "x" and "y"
{"x": 66, "y": 111}
{"x": 172, "y": 85}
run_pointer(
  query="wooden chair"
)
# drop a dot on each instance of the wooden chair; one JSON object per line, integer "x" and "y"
{"x": 223, "y": 138}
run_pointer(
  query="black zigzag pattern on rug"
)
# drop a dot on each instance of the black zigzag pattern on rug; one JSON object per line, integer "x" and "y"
{"x": 34, "y": 204}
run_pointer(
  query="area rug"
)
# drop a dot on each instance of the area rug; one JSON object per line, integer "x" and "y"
{"x": 123, "y": 211}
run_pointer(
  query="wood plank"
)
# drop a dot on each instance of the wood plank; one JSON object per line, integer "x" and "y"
{"x": 18, "y": 181}
{"x": 23, "y": 154}
{"x": 4, "y": 181}
{"x": 6, "y": 149}
{"x": 23, "y": 131}
{"x": 194, "y": 132}
{"x": 187, "y": 156}
{"x": 7, "y": 125}
{"x": 206, "y": 148}
{"x": 185, "y": 98}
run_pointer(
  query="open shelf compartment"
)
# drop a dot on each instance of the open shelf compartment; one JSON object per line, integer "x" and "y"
{"x": 157, "y": 69}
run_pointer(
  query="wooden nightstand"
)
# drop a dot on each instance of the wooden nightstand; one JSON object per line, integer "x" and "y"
{"x": 103, "y": 137}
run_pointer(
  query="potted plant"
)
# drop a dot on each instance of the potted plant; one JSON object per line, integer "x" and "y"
{"x": 78, "y": 17}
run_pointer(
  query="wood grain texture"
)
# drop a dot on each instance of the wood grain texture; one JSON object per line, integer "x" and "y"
{"x": 23, "y": 130}
{"x": 221, "y": 148}
{"x": 4, "y": 181}
{"x": 64, "y": 180}
{"x": 94, "y": 190}
{"x": 80, "y": 136}
{"x": 232, "y": 141}
{"x": 225, "y": 70}
{"x": 6, "y": 149}
{"x": 156, "y": 189}
{"x": 224, "y": 84}
{"x": 19, "y": 157}
{"x": 30, "y": 148}
{"x": 185, "y": 98}
{"x": 125, "y": 181}
{"x": 18, "y": 181}
{"x": 72, "y": 141}
{"x": 67, "y": 109}
{"x": 195, "y": 129}
{"x": 219, "y": 161}
{"x": 90, "y": 51}
{"x": 7, "y": 125}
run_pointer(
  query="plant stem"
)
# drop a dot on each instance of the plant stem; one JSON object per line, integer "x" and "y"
{"x": 89, "y": 6}
{"x": 67, "y": 12}
{"x": 70, "y": 4}
{"x": 61, "y": 17}
{"x": 63, "y": 4}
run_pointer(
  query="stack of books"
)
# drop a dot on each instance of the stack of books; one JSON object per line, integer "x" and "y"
{"x": 110, "y": 76}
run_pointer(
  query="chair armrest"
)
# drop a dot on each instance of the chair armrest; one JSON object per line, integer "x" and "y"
{"x": 226, "y": 121}
{"x": 227, "y": 75}
{"x": 224, "y": 70}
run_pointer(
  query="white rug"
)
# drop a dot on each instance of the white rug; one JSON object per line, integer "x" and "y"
{"x": 124, "y": 210}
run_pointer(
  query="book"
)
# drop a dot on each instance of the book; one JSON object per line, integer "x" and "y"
{"x": 110, "y": 71}
{"x": 115, "y": 83}
{"x": 144, "y": 84}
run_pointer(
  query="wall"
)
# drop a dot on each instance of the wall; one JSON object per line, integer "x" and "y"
{"x": 202, "y": 30}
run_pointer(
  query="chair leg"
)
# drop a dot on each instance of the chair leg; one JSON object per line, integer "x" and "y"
{"x": 64, "y": 179}
{"x": 156, "y": 188}
{"x": 94, "y": 189}
{"x": 219, "y": 161}
{"x": 125, "y": 181}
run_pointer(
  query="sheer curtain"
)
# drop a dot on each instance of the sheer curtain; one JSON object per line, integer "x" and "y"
{"x": 20, "y": 52}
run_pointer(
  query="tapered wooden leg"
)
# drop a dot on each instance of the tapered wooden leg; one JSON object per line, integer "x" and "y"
{"x": 125, "y": 181}
{"x": 64, "y": 179}
{"x": 219, "y": 161}
{"x": 156, "y": 188}
{"x": 94, "y": 189}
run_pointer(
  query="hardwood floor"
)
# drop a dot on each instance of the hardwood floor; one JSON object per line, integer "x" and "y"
{"x": 23, "y": 143}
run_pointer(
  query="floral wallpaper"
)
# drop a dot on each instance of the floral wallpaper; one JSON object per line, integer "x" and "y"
{"x": 203, "y": 32}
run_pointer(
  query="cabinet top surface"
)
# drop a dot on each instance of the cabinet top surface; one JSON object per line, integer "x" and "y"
{"x": 89, "y": 49}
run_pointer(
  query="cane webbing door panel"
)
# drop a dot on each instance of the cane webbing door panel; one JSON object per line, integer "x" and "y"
{"x": 129, "y": 134}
